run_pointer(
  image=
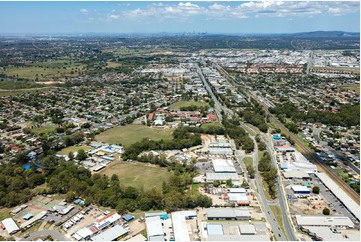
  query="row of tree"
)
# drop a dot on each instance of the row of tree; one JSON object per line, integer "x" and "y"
{"x": 269, "y": 174}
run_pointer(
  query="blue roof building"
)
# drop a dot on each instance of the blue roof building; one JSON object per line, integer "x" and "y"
{"x": 128, "y": 217}
{"x": 27, "y": 216}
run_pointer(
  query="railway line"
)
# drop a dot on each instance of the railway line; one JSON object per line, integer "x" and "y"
{"x": 311, "y": 156}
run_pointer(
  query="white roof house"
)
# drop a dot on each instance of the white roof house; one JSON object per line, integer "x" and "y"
{"x": 10, "y": 225}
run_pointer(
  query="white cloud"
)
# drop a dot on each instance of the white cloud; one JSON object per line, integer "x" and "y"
{"x": 254, "y": 9}
{"x": 83, "y": 10}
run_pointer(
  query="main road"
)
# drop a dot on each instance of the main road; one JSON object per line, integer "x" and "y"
{"x": 278, "y": 233}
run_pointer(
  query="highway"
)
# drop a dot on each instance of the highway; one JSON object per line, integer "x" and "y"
{"x": 279, "y": 235}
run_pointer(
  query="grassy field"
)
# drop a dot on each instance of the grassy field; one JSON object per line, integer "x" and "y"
{"x": 45, "y": 70}
{"x": 73, "y": 149}
{"x": 248, "y": 161}
{"x": 138, "y": 174}
{"x": 4, "y": 213}
{"x": 276, "y": 210}
{"x": 48, "y": 128}
{"x": 113, "y": 64}
{"x": 208, "y": 125}
{"x": 179, "y": 104}
{"x": 353, "y": 88}
{"x": 129, "y": 134}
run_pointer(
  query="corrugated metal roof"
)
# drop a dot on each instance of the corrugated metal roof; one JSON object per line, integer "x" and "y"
{"x": 154, "y": 226}
{"x": 323, "y": 221}
{"x": 340, "y": 194}
{"x": 10, "y": 225}
{"x": 110, "y": 234}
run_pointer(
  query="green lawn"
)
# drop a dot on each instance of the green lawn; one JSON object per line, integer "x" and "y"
{"x": 73, "y": 149}
{"x": 208, "y": 125}
{"x": 129, "y": 134}
{"x": 179, "y": 104}
{"x": 353, "y": 88}
{"x": 48, "y": 128}
{"x": 138, "y": 174}
{"x": 248, "y": 161}
{"x": 276, "y": 210}
{"x": 113, "y": 64}
{"x": 4, "y": 213}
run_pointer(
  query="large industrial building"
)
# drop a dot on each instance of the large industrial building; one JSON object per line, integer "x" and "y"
{"x": 299, "y": 189}
{"x": 228, "y": 214}
{"x": 223, "y": 177}
{"x": 324, "y": 221}
{"x": 350, "y": 204}
{"x": 223, "y": 166}
{"x": 111, "y": 234}
{"x": 154, "y": 228}
{"x": 10, "y": 225}
{"x": 180, "y": 227}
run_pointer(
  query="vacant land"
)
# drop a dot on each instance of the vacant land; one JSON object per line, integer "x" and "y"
{"x": 129, "y": 134}
{"x": 113, "y": 64}
{"x": 73, "y": 149}
{"x": 353, "y": 88}
{"x": 208, "y": 125}
{"x": 46, "y": 129}
{"x": 44, "y": 70}
{"x": 179, "y": 104}
{"x": 138, "y": 174}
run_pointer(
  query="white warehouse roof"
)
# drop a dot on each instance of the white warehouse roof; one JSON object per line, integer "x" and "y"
{"x": 300, "y": 188}
{"x": 180, "y": 227}
{"x": 350, "y": 204}
{"x": 154, "y": 227}
{"x": 110, "y": 234}
{"x": 221, "y": 176}
{"x": 323, "y": 221}
{"x": 214, "y": 229}
{"x": 10, "y": 225}
{"x": 223, "y": 165}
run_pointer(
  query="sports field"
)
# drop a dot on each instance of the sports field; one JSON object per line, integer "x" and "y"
{"x": 129, "y": 134}
{"x": 138, "y": 174}
{"x": 48, "y": 128}
{"x": 179, "y": 104}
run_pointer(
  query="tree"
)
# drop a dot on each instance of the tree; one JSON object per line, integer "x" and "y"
{"x": 71, "y": 155}
{"x": 316, "y": 190}
{"x": 229, "y": 183}
{"x": 81, "y": 155}
{"x": 326, "y": 211}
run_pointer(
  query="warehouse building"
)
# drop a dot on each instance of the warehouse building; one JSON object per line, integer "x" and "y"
{"x": 111, "y": 234}
{"x": 296, "y": 174}
{"x": 350, "y": 204}
{"x": 228, "y": 214}
{"x": 180, "y": 227}
{"x": 256, "y": 237}
{"x": 324, "y": 221}
{"x": 299, "y": 189}
{"x": 220, "y": 148}
{"x": 10, "y": 225}
{"x": 223, "y": 166}
{"x": 223, "y": 177}
{"x": 247, "y": 229}
{"x": 240, "y": 198}
{"x": 154, "y": 228}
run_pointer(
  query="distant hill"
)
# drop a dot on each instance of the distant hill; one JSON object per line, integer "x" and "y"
{"x": 326, "y": 34}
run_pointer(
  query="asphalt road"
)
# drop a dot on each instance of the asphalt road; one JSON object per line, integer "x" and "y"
{"x": 261, "y": 196}
{"x": 54, "y": 233}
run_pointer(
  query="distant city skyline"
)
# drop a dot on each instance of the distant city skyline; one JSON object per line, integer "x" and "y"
{"x": 175, "y": 17}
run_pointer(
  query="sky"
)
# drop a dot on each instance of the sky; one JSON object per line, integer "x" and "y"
{"x": 179, "y": 17}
